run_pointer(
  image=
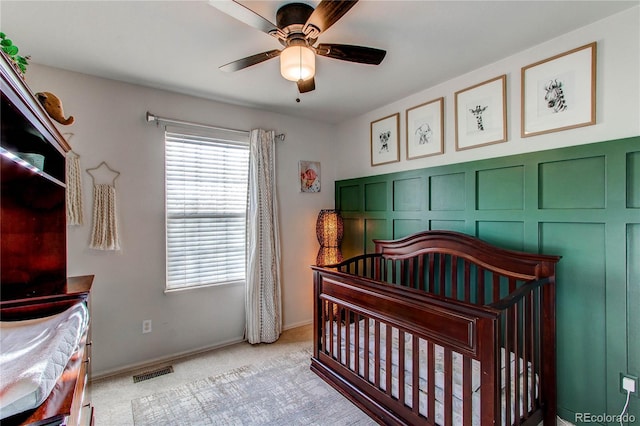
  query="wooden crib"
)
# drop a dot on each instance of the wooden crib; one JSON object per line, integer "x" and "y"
{"x": 440, "y": 328}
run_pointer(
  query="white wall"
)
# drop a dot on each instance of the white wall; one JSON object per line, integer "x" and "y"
{"x": 129, "y": 284}
{"x": 617, "y": 102}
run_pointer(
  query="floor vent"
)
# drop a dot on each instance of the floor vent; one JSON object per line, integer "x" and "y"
{"x": 151, "y": 374}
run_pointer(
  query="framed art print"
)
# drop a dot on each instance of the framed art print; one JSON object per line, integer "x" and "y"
{"x": 481, "y": 114}
{"x": 385, "y": 144}
{"x": 309, "y": 172}
{"x": 425, "y": 129}
{"x": 559, "y": 93}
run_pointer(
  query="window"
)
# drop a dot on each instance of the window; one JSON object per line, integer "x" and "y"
{"x": 206, "y": 197}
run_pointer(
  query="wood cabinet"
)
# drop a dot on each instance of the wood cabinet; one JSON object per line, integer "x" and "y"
{"x": 33, "y": 242}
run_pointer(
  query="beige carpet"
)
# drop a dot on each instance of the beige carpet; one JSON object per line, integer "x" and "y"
{"x": 280, "y": 391}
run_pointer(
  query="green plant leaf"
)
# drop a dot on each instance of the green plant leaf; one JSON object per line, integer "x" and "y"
{"x": 22, "y": 68}
{"x": 10, "y": 50}
{"x": 22, "y": 60}
{"x": 6, "y": 42}
{"x": 2, "y": 35}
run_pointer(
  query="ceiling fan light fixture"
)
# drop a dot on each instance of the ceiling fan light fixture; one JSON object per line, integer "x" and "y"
{"x": 297, "y": 63}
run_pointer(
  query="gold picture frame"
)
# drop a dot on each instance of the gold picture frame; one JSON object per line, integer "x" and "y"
{"x": 481, "y": 114}
{"x": 559, "y": 93}
{"x": 425, "y": 129}
{"x": 385, "y": 140}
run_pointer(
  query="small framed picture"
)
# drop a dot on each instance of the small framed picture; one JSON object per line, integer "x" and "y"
{"x": 385, "y": 144}
{"x": 309, "y": 172}
{"x": 559, "y": 93}
{"x": 425, "y": 129}
{"x": 481, "y": 114}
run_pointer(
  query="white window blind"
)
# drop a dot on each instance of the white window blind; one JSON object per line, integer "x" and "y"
{"x": 206, "y": 197}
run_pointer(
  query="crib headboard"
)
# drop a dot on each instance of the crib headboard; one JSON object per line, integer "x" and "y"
{"x": 509, "y": 263}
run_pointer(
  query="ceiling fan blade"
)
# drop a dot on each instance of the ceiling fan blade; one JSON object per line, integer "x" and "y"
{"x": 308, "y": 85}
{"x": 325, "y": 15}
{"x": 346, "y": 52}
{"x": 250, "y": 60}
{"x": 244, "y": 14}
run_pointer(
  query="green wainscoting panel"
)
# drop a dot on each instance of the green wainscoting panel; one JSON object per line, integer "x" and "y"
{"x": 375, "y": 229}
{"x": 353, "y": 241}
{"x": 404, "y": 227}
{"x": 448, "y": 225}
{"x": 585, "y": 177}
{"x": 581, "y": 202}
{"x": 633, "y": 305}
{"x": 580, "y": 313}
{"x": 408, "y": 194}
{"x": 509, "y": 235}
{"x": 375, "y": 197}
{"x": 351, "y": 198}
{"x": 447, "y": 192}
{"x": 510, "y": 180}
{"x": 633, "y": 180}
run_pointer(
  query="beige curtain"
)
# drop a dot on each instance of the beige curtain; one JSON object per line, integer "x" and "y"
{"x": 263, "y": 300}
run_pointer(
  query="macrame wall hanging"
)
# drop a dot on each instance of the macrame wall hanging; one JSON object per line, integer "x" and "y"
{"x": 74, "y": 186}
{"x": 104, "y": 230}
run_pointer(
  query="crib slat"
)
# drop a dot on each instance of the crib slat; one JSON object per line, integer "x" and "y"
{"x": 388, "y": 343}
{"x": 536, "y": 356}
{"x": 339, "y": 334}
{"x": 467, "y": 282}
{"x": 422, "y": 282}
{"x": 516, "y": 351}
{"x": 331, "y": 328}
{"x": 431, "y": 384}
{"x": 356, "y": 344}
{"x": 376, "y": 356}
{"x": 443, "y": 274}
{"x": 507, "y": 365}
{"x": 367, "y": 337}
{"x": 481, "y": 290}
{"x": 512, "y": 284}
{"x": 454, "y": 278}
{"x": 431, "y": 285}
{"x": 467, "y": 402}
{"x": 347, "y": 338}
{"x": 323, "y": 326}
{"x": 496, "y": 287}
{"x": 401, "y": 356}
{"x": 527, "y": 355}
{"x": 448, "y": 388}
{"x": 415, "y": 376}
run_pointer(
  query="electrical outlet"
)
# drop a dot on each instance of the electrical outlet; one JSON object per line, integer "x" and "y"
{"x": 629, "y": 383}
{"x": 146, "y": 326}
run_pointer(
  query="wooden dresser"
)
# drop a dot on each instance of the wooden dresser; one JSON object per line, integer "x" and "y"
{"x": 33, "y": 242}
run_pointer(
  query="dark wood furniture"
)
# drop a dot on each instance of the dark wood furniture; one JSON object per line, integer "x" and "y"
{"x": 448, "y": 292}
{"x": 33, "y": 252}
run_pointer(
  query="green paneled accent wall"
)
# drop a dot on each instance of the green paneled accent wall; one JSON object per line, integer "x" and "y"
{"x": 581, "y": 202}
{"x": 581, "y": 317}
{"x": 585, "y": 175}
{"x": 510, "y": 180}
{"x": 633, "y": 183}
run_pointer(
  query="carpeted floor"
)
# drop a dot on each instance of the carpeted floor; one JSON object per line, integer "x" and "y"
{"x": 280, "y": 391}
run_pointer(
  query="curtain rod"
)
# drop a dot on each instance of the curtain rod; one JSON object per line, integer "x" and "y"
{"x": 152, "y": 117}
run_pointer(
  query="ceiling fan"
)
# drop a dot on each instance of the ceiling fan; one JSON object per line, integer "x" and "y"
{"x": 298, "y": 27}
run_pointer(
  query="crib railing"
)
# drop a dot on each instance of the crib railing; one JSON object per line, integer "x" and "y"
{"x": 450, "y": 342}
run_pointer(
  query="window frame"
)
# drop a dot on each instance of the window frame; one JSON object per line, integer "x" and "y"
{"x": 220, "y": 140}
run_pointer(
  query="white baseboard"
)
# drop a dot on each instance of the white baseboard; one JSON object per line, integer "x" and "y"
{"x": 147, "y": 364}
{"x": 297, "y": 324}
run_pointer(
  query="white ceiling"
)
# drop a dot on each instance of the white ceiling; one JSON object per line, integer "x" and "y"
{"x": 179, "y": 45}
